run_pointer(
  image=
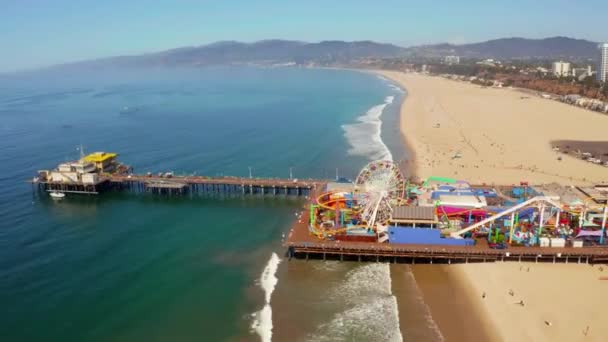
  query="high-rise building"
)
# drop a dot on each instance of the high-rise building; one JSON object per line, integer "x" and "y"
{"x": 602, "y": 69}
{"x": 561, "y": 68}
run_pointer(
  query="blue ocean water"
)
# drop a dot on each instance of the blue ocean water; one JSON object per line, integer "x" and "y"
{"x": 139, "y": 267}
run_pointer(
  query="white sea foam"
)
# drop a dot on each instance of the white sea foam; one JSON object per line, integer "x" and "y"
{"x": 262, "y": 320}
{"x": 364, "y": 136}
{"x": 370, "y": 312}
{"x": 391, "y": 84}
{"x": 396, "y": 88}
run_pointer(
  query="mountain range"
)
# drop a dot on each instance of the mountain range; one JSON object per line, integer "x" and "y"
{"x": 332, "y": 52}
{"x": 516, "y": 48}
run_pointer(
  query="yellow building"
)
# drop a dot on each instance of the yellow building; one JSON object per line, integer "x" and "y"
{"x": 104, "y": 161}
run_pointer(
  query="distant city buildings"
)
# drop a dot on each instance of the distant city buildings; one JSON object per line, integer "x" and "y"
{"x": 561, "y": 69}
{"x": 489, "y": 62}
{"x": 451, "y": 59}
{"x": 602, "y": 70}
{"x": 582, "y": 73}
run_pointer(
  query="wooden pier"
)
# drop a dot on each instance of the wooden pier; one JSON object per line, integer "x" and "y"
{"x": 405, "y": 253}
{"x": 179, "y": 185}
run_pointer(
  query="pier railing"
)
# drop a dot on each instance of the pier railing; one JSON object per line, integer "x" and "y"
{"x": 188, "y": 184}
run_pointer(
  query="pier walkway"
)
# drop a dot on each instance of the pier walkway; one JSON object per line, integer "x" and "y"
{"x": 188, "y": 184}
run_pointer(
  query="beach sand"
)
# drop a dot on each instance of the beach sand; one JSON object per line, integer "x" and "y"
{"x": 561, "y": 302}
{"x": 489, "y": 135}
{"x": 503, "y": 136}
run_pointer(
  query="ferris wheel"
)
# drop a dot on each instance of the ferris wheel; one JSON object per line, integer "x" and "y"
{"x": 381, "y": 186}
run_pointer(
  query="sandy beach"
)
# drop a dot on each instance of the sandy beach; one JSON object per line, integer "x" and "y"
{"x": 539, "y": 302}
{"x": 502, "y": 136}
{"x": 490, "y": 135}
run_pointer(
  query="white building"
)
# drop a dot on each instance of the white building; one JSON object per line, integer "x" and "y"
{"x": 489, "y": 62}
{"x": 581, "y": 73}
{"x": 602, "y": 70}
{"x": 561, "y": 68}
{"x": 452, "y": 59}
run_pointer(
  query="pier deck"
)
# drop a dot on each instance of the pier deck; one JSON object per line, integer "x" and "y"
{"x": 188, "y": 184}
{"x": 300, "y": 243}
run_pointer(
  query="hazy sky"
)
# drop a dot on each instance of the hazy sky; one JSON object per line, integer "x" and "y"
{"x": 42, "y": 32}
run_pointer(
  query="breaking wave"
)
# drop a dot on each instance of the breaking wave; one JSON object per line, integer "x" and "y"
{"x": 364, "y": 136}
{"x": 370, "y": 313}
{"x": 262, "y": 320}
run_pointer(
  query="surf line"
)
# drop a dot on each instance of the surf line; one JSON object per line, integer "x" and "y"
{"x": 262, "y": 322}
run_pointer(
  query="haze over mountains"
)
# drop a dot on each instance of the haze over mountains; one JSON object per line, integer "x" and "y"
{"x": 516, "y": 48}
{"x": 330, "y": 52}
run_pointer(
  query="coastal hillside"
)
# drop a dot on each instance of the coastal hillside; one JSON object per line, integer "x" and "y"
{"x": 335, "y": 52}
{"x": 515, "y": 48}
{"x": 269, "y": 52}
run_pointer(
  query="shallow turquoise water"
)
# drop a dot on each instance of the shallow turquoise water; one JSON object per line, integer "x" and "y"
{"x": 138, "y": 267}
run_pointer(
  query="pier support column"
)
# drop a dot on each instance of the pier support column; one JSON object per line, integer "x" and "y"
{"x": 540, "y": 222}
{"x": 603, "y": 226}
{"x": 512, "y": 227}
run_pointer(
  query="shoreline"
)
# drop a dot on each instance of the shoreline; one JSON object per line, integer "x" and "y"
{"x": 438, "y": 309}
{"x": 453, "y": 293}
{"x": 486, "y": 135}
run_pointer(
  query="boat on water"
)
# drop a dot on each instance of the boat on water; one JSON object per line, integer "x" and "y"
{"x": 128, "y": 110}
{"x": 57, "y": 195}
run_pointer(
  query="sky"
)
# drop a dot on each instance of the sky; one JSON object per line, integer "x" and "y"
{"x": 35, "y": 33}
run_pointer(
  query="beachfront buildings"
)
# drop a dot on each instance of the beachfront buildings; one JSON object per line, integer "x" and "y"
{"x": 581, "y": 73}
{"x": 451, "y": 59}
{"x": 602, "y": 70}
{"x": 561, "y": 69}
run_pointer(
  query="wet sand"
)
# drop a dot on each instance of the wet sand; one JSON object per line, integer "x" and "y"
{"x": 415, "y": 318}
{"x": 452, "y": 305}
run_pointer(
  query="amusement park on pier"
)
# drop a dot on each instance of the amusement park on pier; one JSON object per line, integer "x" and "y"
{"x": 384, "y": 216}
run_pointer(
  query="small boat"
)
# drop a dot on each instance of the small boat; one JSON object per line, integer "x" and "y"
{"x": 128, "y": 110}
{"x": 57, "y": 195}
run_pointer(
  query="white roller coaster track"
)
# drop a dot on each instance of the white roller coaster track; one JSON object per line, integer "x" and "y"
{"x": 538, "y": 199}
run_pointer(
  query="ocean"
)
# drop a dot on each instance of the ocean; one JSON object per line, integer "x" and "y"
{"x": 127, "y": 267}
